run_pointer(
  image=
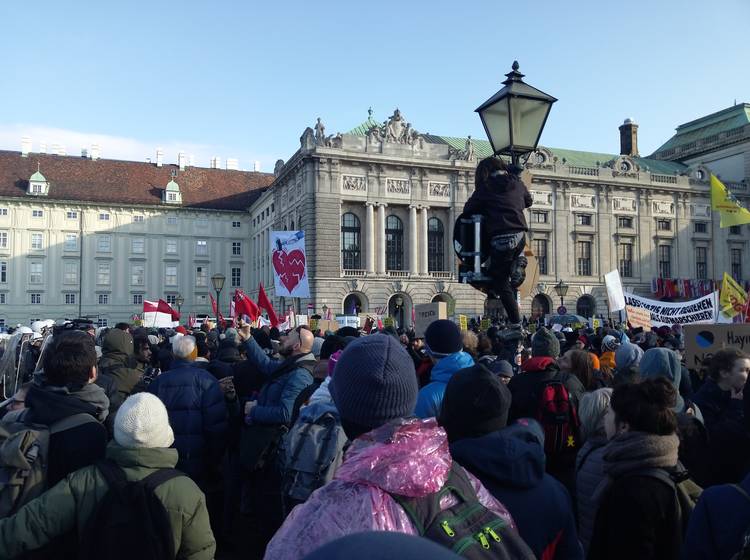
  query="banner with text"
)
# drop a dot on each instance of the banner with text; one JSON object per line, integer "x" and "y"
{"x": 289, "y": 263}
{"x": 703, "y": 341}
{"x": 702, "y": 310}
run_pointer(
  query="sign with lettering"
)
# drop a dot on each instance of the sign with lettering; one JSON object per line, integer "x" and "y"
{"x": 701, "y": 310}
{"x": 702, "y": 341}
{"x": 388, "y": 322}
{"x": 427, "y": 313}
{"x": 639, "y": 317}
{"x": 485, "y": 324}
{"x": 463, "y": 322}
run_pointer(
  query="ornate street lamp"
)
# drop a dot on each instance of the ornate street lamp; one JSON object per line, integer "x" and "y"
{"x": 325, "y": 311}
{"x": 561, "y": 289}
{"x": 398, "y": 301}
{"x": 515, "y": 116}
{"x": 179, "y": 300}
{"x": 217, "y": 280}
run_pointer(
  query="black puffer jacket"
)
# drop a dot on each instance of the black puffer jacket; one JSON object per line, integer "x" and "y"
{"x": 502, "y": 205}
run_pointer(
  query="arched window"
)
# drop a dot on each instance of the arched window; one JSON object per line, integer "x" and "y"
{"x": 435, "y": 245}
{"x": 350, "y": 232}
{"x": 394, "y": 243}
{"x": 586, "y": 306}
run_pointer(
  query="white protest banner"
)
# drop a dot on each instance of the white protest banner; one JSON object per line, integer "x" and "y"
{"x": 289, "y": 263}
{"x": 348, "y": 321}
{"x": 615, "y": 294}
{"x": 701, "y": 310}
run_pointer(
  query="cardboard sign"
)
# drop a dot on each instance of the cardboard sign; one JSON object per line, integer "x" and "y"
{"x": 389, "y": 322}
{"x": 529, "y": 285}
{"x": 348, "y": 321}
{"x": 463, "y": 322}
{"x": 301, "y": 320}
{"x": 639, "y": 317}
{"x": 326, "y": 325}
{"x": 313, "y": 324}
{"x": 702, "y": 341}
{"x": 485, "y": 324}
{"x": 597, "y": 323}
{"x": 427, "y": 313}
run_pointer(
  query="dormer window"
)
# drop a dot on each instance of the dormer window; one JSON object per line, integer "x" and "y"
{"x": 38, "y": 184}
{"x": 172, "y": 194}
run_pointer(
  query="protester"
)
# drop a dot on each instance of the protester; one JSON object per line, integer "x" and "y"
{"x": 720, "y": 397}
{"x": 444, "y": 346}
{"x": 627, "y": 364}
{"x": 142, "y": 437}
{"x": 661, "y": 362}
{"x": 580, "y": 364}
{"x": 374, "y": 388}
{"x": 119, "y": 362}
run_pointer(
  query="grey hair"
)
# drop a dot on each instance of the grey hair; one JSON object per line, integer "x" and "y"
{"x": 183, "y": 346}
{"x": 591, "y": 411}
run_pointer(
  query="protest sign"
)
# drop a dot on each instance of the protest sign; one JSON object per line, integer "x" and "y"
{"x": 529, "y": 285}
{"x": 326, "y": 325}
{"x": 615, "y": 295}
{"x": 463, "y": 322}
{"x": 348, "y": 321}
{"x": 639, "y": 317}
{"x": 289, "y": 263}
{"x": 388, "y": 322}
{"x": 701, "y": 310}
{"x": 301, "y": 320}
{"x": 702, "y": 341}
{"x": 426, "y": 313}
{"x": 313, "y": 324}
{"x": 485, "y": 324}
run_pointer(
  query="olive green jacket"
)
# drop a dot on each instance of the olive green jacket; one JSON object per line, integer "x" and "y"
{"x": 70, "y": 504}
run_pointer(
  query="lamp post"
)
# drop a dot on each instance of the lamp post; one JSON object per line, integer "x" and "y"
{"x": 179, "y": 300}
{"x": 514, "y": 117}
{"x": 217, "y": 281}
{"x": 561, "y": 289}
{"x": 398, "y": 301}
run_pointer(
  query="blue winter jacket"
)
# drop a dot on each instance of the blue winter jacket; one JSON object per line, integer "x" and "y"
{"x": 510, "y": 464}
{"x": 197, "y": 414}
{"x": 430, "y": 397}
{"x": 718, "y": 523}
{"x": 277, "y": 398}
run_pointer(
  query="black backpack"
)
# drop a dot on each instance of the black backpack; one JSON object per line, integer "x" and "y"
{"x": 130, "y": 521}
{"x": 468, "y": 528}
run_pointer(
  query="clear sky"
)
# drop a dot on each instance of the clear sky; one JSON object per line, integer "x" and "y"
{"x": 242, "y": 79}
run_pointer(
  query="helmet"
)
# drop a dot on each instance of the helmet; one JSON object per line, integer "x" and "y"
{"x": 24, "y": 330}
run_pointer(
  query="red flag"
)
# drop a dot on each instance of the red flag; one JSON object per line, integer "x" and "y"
{"x": 164, "y": 307}
{"x": 245, "y": 306}
{"x": 214, "y": 307}
{"x": 413, "y": 316}
{"x": 265, "y": 303}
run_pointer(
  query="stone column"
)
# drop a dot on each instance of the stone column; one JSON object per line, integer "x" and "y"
{"x": 413, "y": 255}
{"x": 423, "y": 240}
{"x": 449, "y": 261}
{"x": 370, "y": 233}
{"x": 381, "y": 239}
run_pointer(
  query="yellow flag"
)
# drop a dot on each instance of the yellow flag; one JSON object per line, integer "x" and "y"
{"x": 731, "y": 211}
{"x": 733, "y": 299}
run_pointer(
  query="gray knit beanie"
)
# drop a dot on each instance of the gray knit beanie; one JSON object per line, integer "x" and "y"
{"x": 544, "y": 343}
{"x": 374, "y": 382}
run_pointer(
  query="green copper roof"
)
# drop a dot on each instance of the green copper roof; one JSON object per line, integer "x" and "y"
{"x": 37, "y": 176}
{"x": 173, "y": 186}
{"x": 708, "y": 126}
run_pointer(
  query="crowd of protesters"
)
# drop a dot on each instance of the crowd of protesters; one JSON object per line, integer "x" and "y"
{"x": 640, "y": 458}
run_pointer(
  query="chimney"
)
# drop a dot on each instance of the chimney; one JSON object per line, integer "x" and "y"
{"x": 95, "y": 152}
{"x": 629, "y": 138}
{"x": 233, "y": 164}
{"x": 43, "y": 148}
{"x": 216, "y": 162}
{"x": 181, "y": 160}
{"x": 84, "y": 153}
{"x": 159, "y": 157}
{"x": 25, "y": 146}
{"x": 256, "y": 166}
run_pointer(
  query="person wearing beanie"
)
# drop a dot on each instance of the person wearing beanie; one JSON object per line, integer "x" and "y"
{"x": 141, "y": 447}
{"x": 627, "y": 363}
{"x": 509, "y": 462}
{"x": 374, "y": 388}
{"x": 444, "y": 345}
{"x": 660, "y": 362}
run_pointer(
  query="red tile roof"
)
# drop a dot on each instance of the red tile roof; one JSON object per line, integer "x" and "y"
{"x": 129, "y": 182}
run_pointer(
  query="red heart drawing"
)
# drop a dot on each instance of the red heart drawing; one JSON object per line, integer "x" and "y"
{"x": 290, "y": 267}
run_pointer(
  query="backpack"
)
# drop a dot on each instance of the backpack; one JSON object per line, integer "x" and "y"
{"x": 559, "y": 419}
{"x": 129, "y": 521}
{"x": 468, "y": 528}
{"x": 24, "y": 457}
{"x": 744, "y": 552}
{"x": 310, "y": 454}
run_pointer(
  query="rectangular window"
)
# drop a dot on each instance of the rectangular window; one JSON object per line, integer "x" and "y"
{"x": 37, "y": 241}
{"x": 37, "y": 213}
{"x": 104, "y": 244}
{"x": 700, "y": 227}
{"x": 101, "y": 322}
{"x": 664, "y": 225}
{"x": 70, "y": 272}
{"x": 236, "y": 224}
{"x": 272, "y": 207}
{"x": 103, "y": 274}
{"x": 625, "y": 258}
{"x": 35, "y": 299}
{"x": 36, "y": 271}
{"x": 625, "y": 222}
{"x": 103, "y": 299}
{"x": 735, "y": 230}
{"x": 201, "y": 276}
{"x": 201, "y": 299}
{"x": 3, "y": 239}
{"x": 736, "y": 263}
{"x": 701, "y": 263}
{"x": 583, "y": 219}
{"x": 665, "y": 261}
{"x": 583, "y": 258}
{"x": 236, "y": 248}
{"x": 171, "y": 299}
{"x": 170, "y": 275}
{"x": 540, "y": 250}
{"x": 201, "y": 247}
{"x": 3, "y": 301}
{"x": 171, "y": 220}
{"x": 236, "y": 277}
{"x": 172, "y": 197}
{"x": 539, "y": 217}
{"x": 137, "y": 219}
{"x": 71, "y": 215}
{"x": 3, "y": 211}
{"x": 138, "y": 245}
{"x": 3, "y": 272}
{"x": 137, "y": 299}
{"x": 171, "y": 246}
{"x": 103, "y": 217}
{"x": 71, "y": 242}
{"x": 70, "y": 299}
{"x": 137, "y": 274}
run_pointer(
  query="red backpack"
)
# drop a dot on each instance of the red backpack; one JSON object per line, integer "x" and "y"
{"x": 559, "y": 419}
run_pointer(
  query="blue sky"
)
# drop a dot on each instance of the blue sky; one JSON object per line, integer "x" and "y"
{"x": 243, "y": 79}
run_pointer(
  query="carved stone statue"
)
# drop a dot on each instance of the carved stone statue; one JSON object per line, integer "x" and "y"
{"x": 307, "y": 140}
{"x": 469, "y": 150}
{"x": 278, "y": 166}
{"x": 320, "y": 133}
{"x": 394, "y": 128}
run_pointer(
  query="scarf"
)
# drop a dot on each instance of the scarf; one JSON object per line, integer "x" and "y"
{"x": 48, "y": 404}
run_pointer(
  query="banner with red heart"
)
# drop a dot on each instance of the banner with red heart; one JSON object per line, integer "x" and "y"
{"x": 289, "y": 263}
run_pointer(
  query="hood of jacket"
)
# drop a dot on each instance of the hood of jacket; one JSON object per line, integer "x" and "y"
{"x": 407, "y": 457}
{"x": 228, "y": 354}
{"x": 47, "y": 404}
{"x": 446, "y": 367}
{"x": 540, "y": 363}
{"x": 147, "y": 457}
{"x": 313, "y": 411}
{"x": 117, "y": 342}
{"x": 511, "y": 457}
{"x": 662, "y": 362}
